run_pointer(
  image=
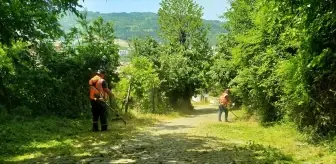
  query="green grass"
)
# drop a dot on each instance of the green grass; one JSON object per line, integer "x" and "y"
{"x": 279, "y": 143}
{"x": 46, "y": 138}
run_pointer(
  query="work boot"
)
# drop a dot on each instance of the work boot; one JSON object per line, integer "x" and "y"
{"x": 95, "y": 127}
{"x": 104, "y": 128}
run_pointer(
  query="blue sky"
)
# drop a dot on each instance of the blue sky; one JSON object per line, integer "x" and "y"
{"x": 212, "y": 8}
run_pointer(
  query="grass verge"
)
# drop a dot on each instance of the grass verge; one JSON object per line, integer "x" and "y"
{"x": 48, "y": 138}
{"x": 280, "y": 143}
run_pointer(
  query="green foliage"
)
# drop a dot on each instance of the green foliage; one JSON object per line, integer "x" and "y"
{"x": 222, "y": 70}
{"x": 185, "y": 58}
{"x": 280, "y": 60}
{"x": 148, "y": 48}
{"x": 94, "y": 45}
{"x": 129, "y": 26}
{"x": 37, "y": 80}
{"x": 179, "y": 66}
{"x": 179, "y": 20}
{"x": 144, "y": 81}
{"x": 290, "y": 146}
{"x": 32, "y": 19}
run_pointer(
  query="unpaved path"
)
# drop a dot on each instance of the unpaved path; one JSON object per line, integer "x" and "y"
{"x": 195, "y": 139}
{"x": 171, "y": 142}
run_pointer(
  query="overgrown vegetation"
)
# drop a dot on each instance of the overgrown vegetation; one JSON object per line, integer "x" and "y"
{"x": 36, "y": 79}
{"x": 280, "y": 143}
{"x": 279, "y": 58}
{"x": 165, "y": 76}
{"x": 45, "y": 72}
{"x": 51, "y": 69}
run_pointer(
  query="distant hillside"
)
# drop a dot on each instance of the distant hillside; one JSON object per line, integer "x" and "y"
{"x": 130, "y": 25}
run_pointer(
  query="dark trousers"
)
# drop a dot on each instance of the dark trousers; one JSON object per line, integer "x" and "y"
{"x": 99, "y": 112}
{"x": 222, "y": 109}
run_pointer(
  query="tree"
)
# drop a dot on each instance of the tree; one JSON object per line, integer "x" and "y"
{"x": 32, "y": 20}
{"x": 282, "y": 55}
{"x": 148, "y": 48}
{"x": 26, "y": 29}
{"x": 56, "y": 82}
{"x": 180, "y": 21}
{"x": 185, "y": 36}
{"x": 143, "y": 80}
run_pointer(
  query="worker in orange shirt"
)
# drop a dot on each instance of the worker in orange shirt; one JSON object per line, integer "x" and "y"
{"x": 98, "y": 91}
{"x": 224, "y": 101}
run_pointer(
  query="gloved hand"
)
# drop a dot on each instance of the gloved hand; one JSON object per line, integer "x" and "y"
{"x": 100, "y": 99}
{"x": 232, "y": 105}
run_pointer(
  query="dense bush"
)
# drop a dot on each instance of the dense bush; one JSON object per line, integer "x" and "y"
{"x": 37, "y": 80}
{"x": 143, "y": 80}
{"x": 280, "y": 60}
{"x": 179, "y": 65}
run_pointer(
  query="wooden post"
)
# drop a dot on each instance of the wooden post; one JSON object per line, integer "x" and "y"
{"x": 153, "y": 99}
{"x": 127, "y": 97}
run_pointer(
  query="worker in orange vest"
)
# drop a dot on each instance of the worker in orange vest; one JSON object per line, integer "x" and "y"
{"x": 98, "y": 91}
{"x": 224, "y": 101}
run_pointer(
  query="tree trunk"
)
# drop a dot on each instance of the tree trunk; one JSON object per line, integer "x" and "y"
{"x": 5, "y": 100}
{"x": 187, "y": 102}
{"x": 188, "y": 93}
{"x": 173, "y": 99}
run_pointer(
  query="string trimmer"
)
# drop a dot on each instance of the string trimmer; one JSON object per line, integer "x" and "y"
{"x": 233, "y": 104}
{"x": 233, "y": 113}
{"x": 104, "y": 103}
{"x": 117, "y": 114}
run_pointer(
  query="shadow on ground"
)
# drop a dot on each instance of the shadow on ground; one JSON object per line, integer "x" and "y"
{"x": 42, "y": 138}
{"x": 171, "y": 148}
{"x": 201, "y": 111}
{"x": 172, "y": 127}
{"x": 125, "y": 144}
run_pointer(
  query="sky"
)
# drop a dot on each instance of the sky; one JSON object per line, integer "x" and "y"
{"x": 212, "y": 8}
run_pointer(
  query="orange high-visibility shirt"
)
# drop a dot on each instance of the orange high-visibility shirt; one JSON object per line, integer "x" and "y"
{"x": 224, "y": 99}
{"x": 96, "y": 88}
